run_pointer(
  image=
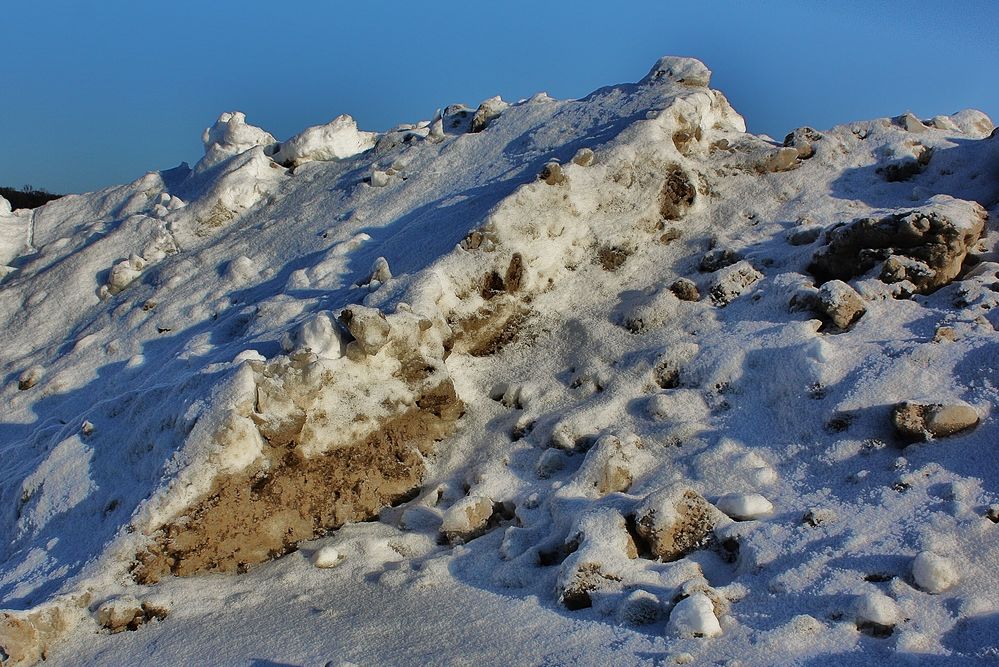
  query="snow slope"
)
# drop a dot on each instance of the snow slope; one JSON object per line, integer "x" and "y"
{"x": 631, "y": 468}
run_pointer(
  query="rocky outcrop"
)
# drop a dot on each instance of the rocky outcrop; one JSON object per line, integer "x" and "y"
{"x": 924, "y": 247}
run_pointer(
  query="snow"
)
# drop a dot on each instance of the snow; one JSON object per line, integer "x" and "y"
{"x": 154, "y": 331}
{"x": 934, "y": 573}
{"x": 745, "y": 506}
{"x": 694, "y": 616}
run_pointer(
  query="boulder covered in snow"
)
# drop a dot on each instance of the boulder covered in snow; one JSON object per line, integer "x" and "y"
{"x": 745, "y": 506}
{"x": 733, "y": 281}
{"x": 674, "y": 521}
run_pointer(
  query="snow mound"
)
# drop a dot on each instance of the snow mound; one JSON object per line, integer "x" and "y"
{"x": 336, "y": 140}
{"x": 502, "y": 359}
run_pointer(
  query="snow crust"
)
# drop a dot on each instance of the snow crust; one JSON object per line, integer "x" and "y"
{"x": 153, "y": 329}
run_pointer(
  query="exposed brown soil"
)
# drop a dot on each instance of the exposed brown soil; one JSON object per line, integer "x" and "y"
{"x": 265, "y": 511}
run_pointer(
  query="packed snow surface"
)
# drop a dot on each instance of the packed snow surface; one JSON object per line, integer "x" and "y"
{"x": 661, "y": 391}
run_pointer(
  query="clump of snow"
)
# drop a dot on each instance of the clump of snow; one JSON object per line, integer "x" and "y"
{"x": 876, "y": 612}
{"x": 745, "y": 506}
{"x": 231, "y": 135}
{"x": 336, "y": 140}
{"x": 934, "y": 573}
{"x": 694, "y": 616}
{"x": 327, "y": 557}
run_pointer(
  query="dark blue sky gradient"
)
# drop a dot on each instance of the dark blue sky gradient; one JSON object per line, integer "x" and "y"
{"x": 98, "y": 92}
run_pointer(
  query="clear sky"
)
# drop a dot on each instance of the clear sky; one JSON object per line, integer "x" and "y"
{"x": 97, "y": 92}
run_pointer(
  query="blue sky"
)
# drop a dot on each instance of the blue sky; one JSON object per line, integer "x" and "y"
{"x": 98, "y": 92}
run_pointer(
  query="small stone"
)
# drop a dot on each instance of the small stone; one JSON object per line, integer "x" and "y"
{"x": 804, "y": 235}
{"x": 922, "y": 421}
{"x": 675, "y": 521}
{"x": 584, "y": 157}
{"x": 552, "y": 174}
{"x": 467, "y": 519}
{"x": 784, "y": 159}
{"x": 640, "y": 608}
{"x": 718, "y": 258}
{"x": 87, "y": 428}
{"x": 685, "y": 289}
{"x": 840, "y": 303}
{"x": 327, "y": 557}
{"x": 368, "y": 326}
{"x": 733, "y": 281}
{"x": 30, "y": 377}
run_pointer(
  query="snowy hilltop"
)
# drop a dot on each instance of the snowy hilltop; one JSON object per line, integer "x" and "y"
{"x": 580, "y": 382}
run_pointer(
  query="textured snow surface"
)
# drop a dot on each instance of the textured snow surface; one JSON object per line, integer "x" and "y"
{"x": 526, "y": 252}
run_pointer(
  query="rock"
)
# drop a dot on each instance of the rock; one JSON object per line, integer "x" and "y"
{"x": 685, "y": 289}
{"x": 30, "y": 377}
{"x": 840, "y": 303}
{"x": 784, "y": 159}
{"x": 380, "y": 271}
{"x": 934, "y": 573}
{"x": 817, "y": 516}
{"x": 486, "y": 113}
{"x": 467, "y": 519}
{"x": 876, "y": 614}
{"x": 552, "y": 174}
{"x": 126, "y": 613}
{"x": 336, "y": 140}
{"x": 718, "y": 258}
{"x": 911, "y": 123}
{"x": 733, "y": 281}
{"x": 584, "y": 157}
{"x": 802, "y": 140}
{"x": 675, "y": 521}
{"x": 607, "y": 467}
{"x": 694, "y": 616}
{"x": 922, "y": 421}
{"x": 379, "y": 178}
{"x": 125, "y": 272}
{"x": 551, "y": 461}
{"x": 925, "y": 246}
{"x": 687, "y": 71}
{"x": 677, "y": 194}
{"x": 804, "y": 235}
{"x": 368, "y": 326}
{"x": 745, "y": 506}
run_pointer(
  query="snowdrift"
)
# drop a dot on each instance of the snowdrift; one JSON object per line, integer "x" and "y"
{"x": 616, "y": 355}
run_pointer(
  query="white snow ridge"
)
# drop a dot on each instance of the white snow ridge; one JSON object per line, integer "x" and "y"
{"x": 577, "y": 382}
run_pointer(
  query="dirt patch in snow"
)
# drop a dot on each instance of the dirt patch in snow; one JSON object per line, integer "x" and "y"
{"x": 264, "y": 511}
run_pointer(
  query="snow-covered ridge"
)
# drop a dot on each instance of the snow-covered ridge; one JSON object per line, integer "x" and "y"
{"x": 684, "y": 354}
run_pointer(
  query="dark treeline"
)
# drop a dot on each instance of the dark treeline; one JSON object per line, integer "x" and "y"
{"x": 26, "y": 197}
